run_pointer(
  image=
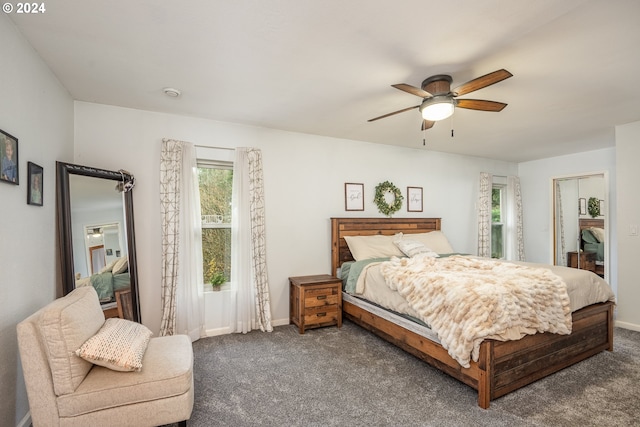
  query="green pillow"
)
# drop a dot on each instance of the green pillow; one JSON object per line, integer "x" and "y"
{"x": 103, "y": 283}
{"x": 588, "y": 237}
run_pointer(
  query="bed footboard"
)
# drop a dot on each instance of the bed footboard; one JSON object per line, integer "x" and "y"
{"x": 503, "y": 366}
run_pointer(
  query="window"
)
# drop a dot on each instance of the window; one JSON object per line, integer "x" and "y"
{"x": 497, "y": 220}
{"x": 216, "y": 182}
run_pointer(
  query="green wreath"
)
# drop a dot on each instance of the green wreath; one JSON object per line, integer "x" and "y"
{"x": 594, "y": 207}
{"x": 384, "y": 207}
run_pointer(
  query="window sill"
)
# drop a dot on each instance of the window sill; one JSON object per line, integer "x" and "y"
{"x": 208, "y": 288}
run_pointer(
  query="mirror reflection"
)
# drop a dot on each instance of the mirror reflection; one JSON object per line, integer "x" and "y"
{"x": 579, "y": 222}
{"x": 96, "y": 230}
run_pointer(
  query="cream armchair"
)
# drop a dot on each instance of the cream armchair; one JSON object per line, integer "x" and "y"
{"x": 65, "y": 390}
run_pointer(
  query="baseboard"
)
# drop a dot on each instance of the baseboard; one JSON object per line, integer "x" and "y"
{"x": 627, "y": 325}
{"x": 280, "y": 322}
{"x": 25, "y": 421}
{"x": 226, "y": 330}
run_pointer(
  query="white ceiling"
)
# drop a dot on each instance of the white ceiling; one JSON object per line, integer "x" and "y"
{"x": 325, "y": 67}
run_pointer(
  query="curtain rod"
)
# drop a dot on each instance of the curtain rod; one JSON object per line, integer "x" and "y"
{"x": 215, "y": 148}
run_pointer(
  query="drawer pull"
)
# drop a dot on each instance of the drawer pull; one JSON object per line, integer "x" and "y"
{"x": 321, "y": 314}
{"x": 321, "y": 297}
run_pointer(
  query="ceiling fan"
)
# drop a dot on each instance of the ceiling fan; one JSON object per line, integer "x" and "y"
{"x": 439, "y": 101}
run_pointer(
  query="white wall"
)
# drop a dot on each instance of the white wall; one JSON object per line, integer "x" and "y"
{"x": 628, "y": 214}
{"x": 304, "y": 180}
{"x": 38, "y": 111}
{"x": 536, "y": 178}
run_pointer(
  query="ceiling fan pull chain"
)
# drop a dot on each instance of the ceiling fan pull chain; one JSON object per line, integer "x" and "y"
{"x": 452, "y": 126}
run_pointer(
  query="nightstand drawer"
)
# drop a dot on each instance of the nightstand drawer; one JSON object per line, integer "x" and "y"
{"x": 318, "y": 315}
{"x": 320, "y": 297}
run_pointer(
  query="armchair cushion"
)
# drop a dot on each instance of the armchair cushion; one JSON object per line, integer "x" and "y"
{"x": 65, "y": 325}
{"x": 167, "y": 372}
{"x": 119, "y": 345}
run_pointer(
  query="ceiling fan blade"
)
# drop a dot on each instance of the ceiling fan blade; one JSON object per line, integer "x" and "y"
{"x": 427, "y": 124}
{"x": 482, "y": 82}
{"x": 413, "y": 90}
{"x": 395, "y": 112}
{"x": 480, "y": 104}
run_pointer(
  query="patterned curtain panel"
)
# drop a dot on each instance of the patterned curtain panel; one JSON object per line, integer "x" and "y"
{"x": 182, "y": 289}
{"x": 251, "y": 308}
{"x": 484, "y": 215}
{"x": 515, "y": 229}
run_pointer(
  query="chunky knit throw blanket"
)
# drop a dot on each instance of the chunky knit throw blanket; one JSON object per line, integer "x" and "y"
{"x": 466, "y": 300}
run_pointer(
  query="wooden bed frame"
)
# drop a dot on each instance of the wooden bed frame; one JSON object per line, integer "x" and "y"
{"x": 502, "y": 366}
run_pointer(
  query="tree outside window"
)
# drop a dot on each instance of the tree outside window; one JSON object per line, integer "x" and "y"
{"x": 216, "y": 183}
{"x": 497, "y": 221}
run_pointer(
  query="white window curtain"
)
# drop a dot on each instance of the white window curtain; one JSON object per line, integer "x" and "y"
{"x": 513, "y": 218}
{"x": 250, "y": 306}
{"x": 182, "y": 289}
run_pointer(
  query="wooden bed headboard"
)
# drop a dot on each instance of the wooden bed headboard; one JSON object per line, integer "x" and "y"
{"x": 341, "y": 227}
{"x": 590, "y": 222}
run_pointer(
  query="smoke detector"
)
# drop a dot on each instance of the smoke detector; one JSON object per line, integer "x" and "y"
{"x": 173, "y": 93}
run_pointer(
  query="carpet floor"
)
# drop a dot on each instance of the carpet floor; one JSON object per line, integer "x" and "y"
{"x": 348, "y": 376}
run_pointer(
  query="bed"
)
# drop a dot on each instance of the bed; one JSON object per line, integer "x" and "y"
{"x": 112, "y": 278}
{"x": 502, "y": 366}
{"x": 592, "y": 240}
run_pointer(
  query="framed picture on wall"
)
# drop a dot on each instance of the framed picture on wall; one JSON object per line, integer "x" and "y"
{"x": 34, "y": 184}
{"x": 582, "y": 203}
{"x": 353, "y": 197}
{"x": 414, "y": 199}
{"x": 9, "y": 172}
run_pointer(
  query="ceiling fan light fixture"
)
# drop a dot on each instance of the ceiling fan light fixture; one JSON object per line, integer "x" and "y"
{"x": 437, "y": 108}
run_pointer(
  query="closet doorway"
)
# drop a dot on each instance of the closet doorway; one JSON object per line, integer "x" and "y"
{"x": 580, "y": 238}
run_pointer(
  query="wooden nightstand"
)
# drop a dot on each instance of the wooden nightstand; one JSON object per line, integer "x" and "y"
{"x": 587, "y": 260}
{"x": 315, "y": 301}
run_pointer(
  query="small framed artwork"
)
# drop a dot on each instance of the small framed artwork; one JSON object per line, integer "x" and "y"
{"x": 9, "y": 172}
{"x": 414, "y": 199}
{"x": 109, "y": 252}
{"x": 34, "y": 190}
{"x": 353, "y": 197}
{"x": 582, "y": 202}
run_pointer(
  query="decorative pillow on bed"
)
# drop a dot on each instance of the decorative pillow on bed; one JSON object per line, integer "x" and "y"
{"x": 119, "y": 345}
{"x": 378, "y": 246}
{"x": 108, "y": 267}
{"x": 598, "y": 233}
{"x": 588, "y": 236}
{"x": 435, "y": 240}
{"x": 121, "y": 265}
{"x": 412, "y": 248}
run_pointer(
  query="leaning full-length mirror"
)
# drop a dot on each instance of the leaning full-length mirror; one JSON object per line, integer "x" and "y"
{"x": 97, "y": 239}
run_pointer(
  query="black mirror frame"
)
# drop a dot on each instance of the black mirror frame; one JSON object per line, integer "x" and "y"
{"x": 63, "y": 170}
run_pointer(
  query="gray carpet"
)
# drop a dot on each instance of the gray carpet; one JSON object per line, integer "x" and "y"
{"x": 348, "y": 376}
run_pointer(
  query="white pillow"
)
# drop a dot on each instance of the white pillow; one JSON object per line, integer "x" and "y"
{"x": 435, "y": 240}
{"x": 378, "y": 246}
{"x": 412, "y": 248}
{"x": 119, "y": 345}
{"x": 108, "y": 267}
{"x": 598, "y": 233}
{"x": 121, "y": 265}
